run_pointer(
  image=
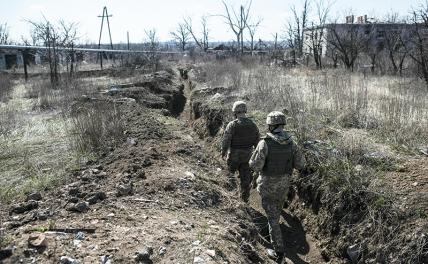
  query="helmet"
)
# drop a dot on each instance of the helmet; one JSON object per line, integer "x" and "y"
{"x": 239, "y": 107}
{"x": 275, "y": 118}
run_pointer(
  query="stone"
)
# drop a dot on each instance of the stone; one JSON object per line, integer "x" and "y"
{"x": 131, "y": 141}
{"x": 354, "y": 253}
{"x": 68, "y": 260}
{"x": 95, "y": 197}
{"x": 80, "y": 207}
{"x": 211, "y": 252}
{"x": 80, "y": 235}
{"x": 28, "y": 252}
{"x": 124, "y": 189}
{"x": 73, "y": 191}
{"x": 73, "y": 200}
{"x": 42, "y": 215}
{"x": 144, "y": 254}
{"x": 36, "y": 196}
{"x": 105, "y": 260}
{"x": 25, "y": 207}
{"x": 198, "y": 259}
{"x": 162, "y": 251}
{"x": 190, "y": 175}
{"x": 37, "y": 240}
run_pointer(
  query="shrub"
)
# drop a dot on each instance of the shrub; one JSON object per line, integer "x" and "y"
{"x": 96, "y": 127}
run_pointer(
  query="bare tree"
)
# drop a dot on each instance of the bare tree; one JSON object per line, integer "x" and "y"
{"x": 4, "y": 34}
{"x": 348, "y": 42}
{"x": 252, "y": 28}
{"x": 54, "y": 37}
{"x": 316, "y": 34}
{"x": 152, "y": 45}
{"x": 201, "y": 42}
{"x": 181, "y": 35}
{"x": 299, "y": 26}
{"x": 372, "y": 46}
{"x": 394, "y": 44}
{"x": 238, "y": 22}
{"x": 417, "y": 46}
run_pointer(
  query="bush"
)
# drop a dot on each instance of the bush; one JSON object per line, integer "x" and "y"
{"x": 96, "y": 127}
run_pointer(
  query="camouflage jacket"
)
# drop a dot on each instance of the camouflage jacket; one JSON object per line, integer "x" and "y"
{"x": 252, "y": 137}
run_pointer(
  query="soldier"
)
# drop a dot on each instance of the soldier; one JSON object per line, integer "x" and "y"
{"x": 239, "y": 139}
{"x": 274, "y": 159}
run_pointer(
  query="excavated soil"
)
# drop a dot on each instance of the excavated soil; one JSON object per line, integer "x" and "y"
{"x": 157, "y": 198}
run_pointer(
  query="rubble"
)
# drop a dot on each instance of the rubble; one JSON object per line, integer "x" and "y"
{"x": 25, "y": 207}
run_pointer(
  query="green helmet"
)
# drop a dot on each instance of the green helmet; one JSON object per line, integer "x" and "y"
{"x": 239, "y": 107}
{"x": 275, "y": 118}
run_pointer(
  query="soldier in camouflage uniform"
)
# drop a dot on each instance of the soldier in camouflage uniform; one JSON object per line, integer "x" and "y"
{"x": 239, "y": 139}
{"x": 274, "y": 158}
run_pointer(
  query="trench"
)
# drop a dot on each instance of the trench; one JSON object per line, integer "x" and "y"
{"x": 301, "y": 247}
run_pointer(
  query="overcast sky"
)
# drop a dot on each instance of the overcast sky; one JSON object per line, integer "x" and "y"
{"x": 137, "y": 15}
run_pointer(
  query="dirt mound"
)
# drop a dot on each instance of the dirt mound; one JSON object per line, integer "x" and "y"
{"x": 157, "y": 198}
{"x": 158, "y": 91}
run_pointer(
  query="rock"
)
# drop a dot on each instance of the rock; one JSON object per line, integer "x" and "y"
{"x": 423, "y": 150}
{"x": 147, "y": 162}
{"x": 95, "y": 171}
{"x": 25, "y": 207}
{"x": 73, "y": 191}
{"x": 162, "y": 251}
{"x": 141, "y": 174}
{"x": 81, "y": 207}
{"x": 196, "y": 243}
{"x": 73, "y": 200}
{"x": 28, "y": 252}
{"x": 5, "y": 253}
{"x": 104, "y": 260}
{"x": 42, "y": 215}
{"x": 37, "y": 240}
{"x": 354, "y": 252}
{"x": 190, "y": 175}
{"x": 131, "y": 141}
{"x": 98, "y": 196}
{"x": 124, "y": 189}
{"x": 144, "y": 254}
{"x": 80, "y": 236}
{"x": 36, "y": 196}
{"x": 198, "y": 259}
{"x": 68, "y": 260}
{"x": 211, "y": 253}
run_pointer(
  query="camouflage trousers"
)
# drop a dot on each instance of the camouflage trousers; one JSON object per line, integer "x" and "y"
{"x": 237, "y": 160}
{"x": 274, "y": 191}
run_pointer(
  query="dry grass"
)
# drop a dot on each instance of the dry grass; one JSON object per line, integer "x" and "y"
{"x": 96, "y": 127}
{"x": 6, "y": 87}
{"x": 42, "y": 142}
{"x": 360, "y": 123}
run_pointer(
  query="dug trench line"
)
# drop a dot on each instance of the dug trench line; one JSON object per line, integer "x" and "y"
{"x": 156, "y": 198}
{"x": 207, "y": 120}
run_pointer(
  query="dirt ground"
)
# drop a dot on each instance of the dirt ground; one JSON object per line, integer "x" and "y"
{"x": 158, "y": 198}
{"x": 161, "y": 196}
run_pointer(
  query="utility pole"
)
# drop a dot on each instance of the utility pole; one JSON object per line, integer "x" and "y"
{"x": 127, "y": 37}
{"x": 104, "y": 15}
